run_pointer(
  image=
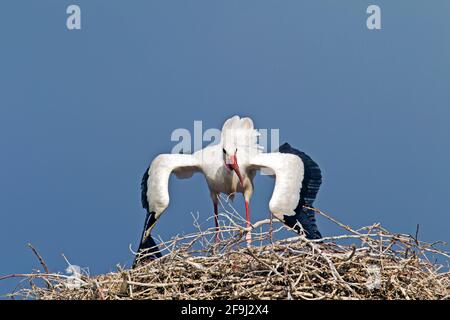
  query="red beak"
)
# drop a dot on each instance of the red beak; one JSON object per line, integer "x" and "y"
{"x": 235, "y": 167}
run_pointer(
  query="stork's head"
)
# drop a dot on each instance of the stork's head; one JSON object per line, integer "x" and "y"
{"x": 238, "y": 140}
{"x": 231, "y": 162}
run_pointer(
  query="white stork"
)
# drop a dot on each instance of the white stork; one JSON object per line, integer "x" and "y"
{"x": 230, "y": 167}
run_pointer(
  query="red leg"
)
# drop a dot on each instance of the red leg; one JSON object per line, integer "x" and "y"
{"x": 216, "y": 220}
{"x": 271, "y": 228}
{"x": 247, "y": 217}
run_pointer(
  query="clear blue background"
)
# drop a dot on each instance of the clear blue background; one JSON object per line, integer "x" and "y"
{"x": 82, "y": 113}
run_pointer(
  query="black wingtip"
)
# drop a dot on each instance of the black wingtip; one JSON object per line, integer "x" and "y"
{"x": 148, "y": 249}
{"x": 307, "y": 220}
{"x": 144, "y": 189}
{"x": 284, "y": 147}
{"x": 310, "y": 187}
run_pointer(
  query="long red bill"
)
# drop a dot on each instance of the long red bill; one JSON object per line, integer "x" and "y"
{"x": 234, "y": 165}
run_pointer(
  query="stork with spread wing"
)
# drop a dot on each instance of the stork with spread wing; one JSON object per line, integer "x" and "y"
{"x": 230, "y": 167}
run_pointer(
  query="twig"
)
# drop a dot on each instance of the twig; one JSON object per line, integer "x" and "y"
{"x": 41, "y": 260}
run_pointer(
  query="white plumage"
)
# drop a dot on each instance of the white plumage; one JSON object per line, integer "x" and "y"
{"x": 288, "y": 171}
{"x": 229, "y": 167}
{"x": 239, "y": 139}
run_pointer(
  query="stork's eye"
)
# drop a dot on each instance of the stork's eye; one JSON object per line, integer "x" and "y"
{"x": 224, "y": 151}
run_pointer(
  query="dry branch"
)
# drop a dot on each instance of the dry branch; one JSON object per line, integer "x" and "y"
{"x": 378, "y": 265}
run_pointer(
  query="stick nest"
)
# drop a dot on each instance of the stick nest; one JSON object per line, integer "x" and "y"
{"x": 376, "y": 265}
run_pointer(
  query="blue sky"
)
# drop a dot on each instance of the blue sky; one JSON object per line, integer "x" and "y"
{"x": 82, "y": 113}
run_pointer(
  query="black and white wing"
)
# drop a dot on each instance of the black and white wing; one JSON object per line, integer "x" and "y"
{"x": 155, "y": 183}
{"x": 288, "y": 172}
{"x": 310, "y": 187}
{"x": 155, "y": 192}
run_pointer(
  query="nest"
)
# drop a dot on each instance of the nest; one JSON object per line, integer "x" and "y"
{"x": 376, "y": 265}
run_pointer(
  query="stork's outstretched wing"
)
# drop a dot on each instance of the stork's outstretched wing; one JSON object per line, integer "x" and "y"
{"x": 297, "y": 184}
{"x": 155, "y": 192}
{"x": 288, "y": 171}
{"x": 155, "y": 188}
{"x": 312, "y": 175}
{"x": 310, "y": 187}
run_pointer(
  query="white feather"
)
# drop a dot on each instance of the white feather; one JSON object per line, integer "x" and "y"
{"x": 158, "y": 181}
{"x": 288, "y": 170}
{"x": 237, "y": 134}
